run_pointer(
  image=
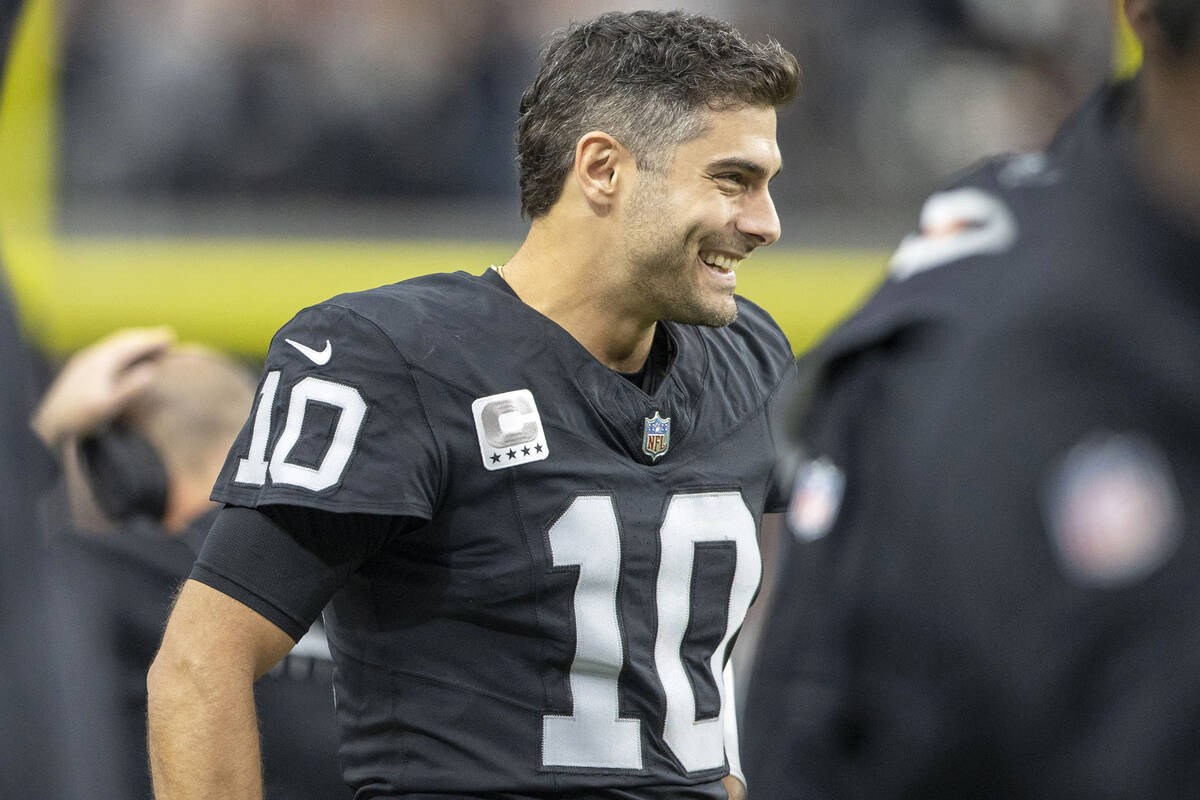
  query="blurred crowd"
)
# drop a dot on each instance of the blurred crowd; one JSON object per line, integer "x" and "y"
{"x": 195, "y": 99}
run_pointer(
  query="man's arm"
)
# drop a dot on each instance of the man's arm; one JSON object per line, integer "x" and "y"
{"x": 98, "y": 382}
{"x": 202, "y": 723}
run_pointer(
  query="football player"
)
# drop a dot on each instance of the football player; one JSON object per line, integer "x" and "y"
{"x": 989, "y": 587}
{"x": 529, "y": 497}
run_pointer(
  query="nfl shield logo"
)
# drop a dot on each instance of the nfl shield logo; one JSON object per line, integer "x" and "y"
{"x": 657, "y": 437}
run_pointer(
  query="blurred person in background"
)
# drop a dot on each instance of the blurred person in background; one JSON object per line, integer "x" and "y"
{"x": 989, "y": 586}
{"x": 31, "y": 756}
{"x": 532, "y": 495}
{"x": 142, "y": 426}
{"x": 33, "y": 759}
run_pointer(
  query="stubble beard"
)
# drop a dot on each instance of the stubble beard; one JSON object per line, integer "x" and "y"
{"x": 665, "y": 275}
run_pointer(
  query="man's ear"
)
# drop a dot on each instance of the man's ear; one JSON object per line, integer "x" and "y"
{"x": 602, "y": 165}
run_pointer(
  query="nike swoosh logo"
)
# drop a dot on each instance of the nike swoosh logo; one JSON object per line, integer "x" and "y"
{"x": 318, "y": 357}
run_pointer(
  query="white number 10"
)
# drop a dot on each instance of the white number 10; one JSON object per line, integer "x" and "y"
{"x": 351, "y": 410}
{"x": 586, "y": 536}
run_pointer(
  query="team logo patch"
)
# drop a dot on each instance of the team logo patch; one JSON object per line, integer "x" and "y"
{"x": 816, "y": 499}
{"x": 509, "y": 429}
{"x": 1113, "y": 510}
{"x": 656, "y": 436}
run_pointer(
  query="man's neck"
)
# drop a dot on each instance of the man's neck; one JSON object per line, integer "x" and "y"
{"x": 1166, "y": 140}
{"x": 575, "y": 288}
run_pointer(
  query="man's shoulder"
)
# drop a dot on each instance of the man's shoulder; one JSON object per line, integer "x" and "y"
{"x": 989, "y": 232}
{"x": 753, "y": 332}
{"x": 1014, "y": 208}
{"x": 753, "y": 321}
{"x": 982, "y": 216}
{"x": 417, "y": 299}
{"x": 409, "y": 317}
{"x": 752, "y": 348}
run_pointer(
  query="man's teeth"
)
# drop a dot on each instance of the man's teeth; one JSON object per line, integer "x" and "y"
{"x": 718, "y": 260}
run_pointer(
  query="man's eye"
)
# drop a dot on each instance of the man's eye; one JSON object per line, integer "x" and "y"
{"x": 732, "y": 177}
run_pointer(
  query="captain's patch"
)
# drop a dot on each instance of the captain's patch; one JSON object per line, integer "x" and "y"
{"x": 510, "y": 430}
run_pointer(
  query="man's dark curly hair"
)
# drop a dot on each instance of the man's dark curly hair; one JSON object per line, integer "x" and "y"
{"x": 645, "y": 78}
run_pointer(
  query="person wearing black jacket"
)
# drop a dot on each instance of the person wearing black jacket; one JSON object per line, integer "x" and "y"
{"x": 31, "y": 756}
{"x": 142, "y": 426}
{"x": 988, "y": 590}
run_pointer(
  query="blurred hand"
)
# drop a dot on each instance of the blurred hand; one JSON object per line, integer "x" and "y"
{"x": 734, "y": 788}
{"x": 98, "y": 382}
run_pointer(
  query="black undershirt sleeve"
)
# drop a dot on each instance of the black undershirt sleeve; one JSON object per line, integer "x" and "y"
{"x": 286, "y": 562}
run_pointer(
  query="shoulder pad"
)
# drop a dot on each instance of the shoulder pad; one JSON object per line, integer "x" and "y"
{"x": 758, "y": 324}
{"x": 955, "y": 224}
{"x": 973, "y": 214}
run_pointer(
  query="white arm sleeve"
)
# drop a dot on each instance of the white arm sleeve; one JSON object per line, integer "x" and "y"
{"x": 729, "y": 721}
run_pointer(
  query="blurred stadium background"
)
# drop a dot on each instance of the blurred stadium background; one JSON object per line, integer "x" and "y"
{"x": 215, "y": 165}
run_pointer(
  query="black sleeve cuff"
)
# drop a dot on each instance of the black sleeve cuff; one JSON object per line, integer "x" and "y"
{"x": 284, "y": 621}
{"x": 252, "y": 559}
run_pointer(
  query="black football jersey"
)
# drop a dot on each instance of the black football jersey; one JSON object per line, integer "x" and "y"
{"x": 994, "y": 522}
{"x": 555, "y": 617}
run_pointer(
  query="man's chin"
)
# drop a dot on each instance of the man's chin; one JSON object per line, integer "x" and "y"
{"x": 713, "y": 317}
{"x": 723, "y": 319}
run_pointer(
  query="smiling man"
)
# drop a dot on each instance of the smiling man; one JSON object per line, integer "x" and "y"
{"x": 527, "y": 500}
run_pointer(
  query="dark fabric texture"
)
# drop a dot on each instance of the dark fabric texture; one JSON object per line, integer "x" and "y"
{"x": 1002, "y": 606}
